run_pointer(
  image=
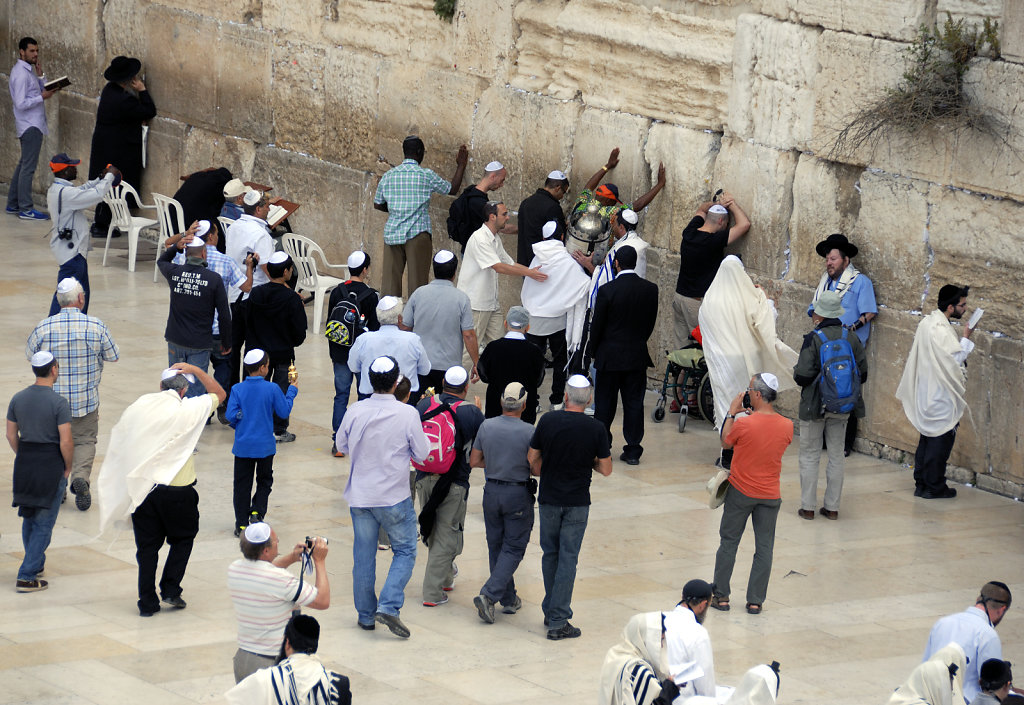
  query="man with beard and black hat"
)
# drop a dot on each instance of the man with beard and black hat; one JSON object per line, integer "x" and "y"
{"x": 932, "y": 390}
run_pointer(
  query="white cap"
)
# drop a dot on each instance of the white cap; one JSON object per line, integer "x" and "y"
{"x": 549, "y": 229}
{"x": 196, "y": 242}
{"x": 66, "y": 285}
{"x": 456, "y": 376}
{"x": 356, "y": 259}
{"x": 559, "y": 175}
{"x": 387, "y": 303}
{"x": 258, "y": 532}
{"x": 494, "y": 166}
{"x": 443, "y": 256}
{"x": 382, "y": 364}
{"x": 717, "y": 208}
{"x": 278, "y": 257}
{"x": 252, "y": 197}
{"x": 628, "y": 215}
{"x": 43, "y": 357}
{"x": 578, "y": 381}
{"x": 234, "y": 188}
{"x": 171, "y": 372}
{"x": 203, "y": 228}
{"x": 771, "y": 380}
{"x": 253, "y": 356}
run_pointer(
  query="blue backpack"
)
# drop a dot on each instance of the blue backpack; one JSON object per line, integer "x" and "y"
{"x": 839, "y": 378}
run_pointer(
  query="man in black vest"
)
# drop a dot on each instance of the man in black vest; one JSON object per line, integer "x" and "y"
{"x": 536, "y": 210}
{"x": 625, "y": 312}
{"x": 512, "y": 359}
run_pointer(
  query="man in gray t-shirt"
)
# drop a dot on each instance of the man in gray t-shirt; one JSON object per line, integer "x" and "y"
{"x": 442, "y": 317}
{"x": 500, "y": 448}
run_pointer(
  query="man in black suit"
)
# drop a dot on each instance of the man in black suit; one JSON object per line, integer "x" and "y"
{"x": 624, "y": 316}
{"x": 512, "y": 359}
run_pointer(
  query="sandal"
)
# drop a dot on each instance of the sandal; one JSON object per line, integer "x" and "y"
{"x": 753, "y": 608}
{"x": 720, "y": 603}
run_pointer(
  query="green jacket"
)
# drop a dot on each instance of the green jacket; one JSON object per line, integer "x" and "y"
{"x": 809, "y": 365}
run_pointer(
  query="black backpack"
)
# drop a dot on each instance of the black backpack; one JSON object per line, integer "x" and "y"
{"x": 346, "y": 321}
{"x": 461, "y": 221}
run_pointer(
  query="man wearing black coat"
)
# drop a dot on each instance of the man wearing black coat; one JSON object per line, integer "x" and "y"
{"x": 124, "y": 106}
{"x": 512, "y": 359}
{"x": 624, "y": 316}
{"x": 544, "y": 205}
{"x": 201, "y": 196}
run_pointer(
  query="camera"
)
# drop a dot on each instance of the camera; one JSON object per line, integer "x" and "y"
{"x": 311, "y": 539}
{"x": 746, "y": 401}
{"x": 65, "y": 234}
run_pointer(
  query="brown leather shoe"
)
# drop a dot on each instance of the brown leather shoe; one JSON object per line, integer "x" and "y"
{"x": 828, "y": 514}
{"x": 807, "y": 514}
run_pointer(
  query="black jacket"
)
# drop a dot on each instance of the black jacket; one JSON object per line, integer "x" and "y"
{"x": 534, "y": 211}
{"x": 367, "y": 307}
{"x": 625, "y": 312}
{"x": 201, "y": 196}
{"x": 197, "y": 294}
{"x": 509, "y": 360}
{"x": 117, "y": 137}
{"x": 275, "y": 321}
{"x": 808, "y": 366}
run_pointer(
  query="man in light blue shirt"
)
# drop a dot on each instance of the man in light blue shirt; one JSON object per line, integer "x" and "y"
{"x": 402, "y": 345}
{"x": 27, "y": 96}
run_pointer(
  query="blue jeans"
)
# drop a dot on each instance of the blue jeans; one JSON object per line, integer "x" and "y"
{"x": 508, "y": 521}
{"x": 200, "y": 357}
{"x": 399, "y": 522}
{"x": 342, "y": 388}
{"x": 561, "y": 535}
{"x": 36, "y": 531}
{"x": 19, "y": 195}
{"x": 78, "y": 268}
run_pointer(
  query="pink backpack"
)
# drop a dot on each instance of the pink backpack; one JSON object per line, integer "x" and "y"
{"x": 442, "y": 433}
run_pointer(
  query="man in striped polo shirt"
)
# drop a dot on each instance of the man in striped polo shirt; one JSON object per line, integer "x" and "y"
{"x": 265, "y": 594}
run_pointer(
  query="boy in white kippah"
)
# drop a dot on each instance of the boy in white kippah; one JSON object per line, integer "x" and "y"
{"x": 252, "y": 406}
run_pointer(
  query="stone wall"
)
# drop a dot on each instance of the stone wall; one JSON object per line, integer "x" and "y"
{"x": 315, "y": 97}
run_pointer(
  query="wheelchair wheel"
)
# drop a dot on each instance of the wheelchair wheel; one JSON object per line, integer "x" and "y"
{"x": 706, "y": 399}
{"x": 658, "y": 414}
{"x": 682, "y": 421}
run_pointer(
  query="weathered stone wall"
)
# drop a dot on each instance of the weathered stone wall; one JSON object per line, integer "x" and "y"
{"x": 315, "y": 96}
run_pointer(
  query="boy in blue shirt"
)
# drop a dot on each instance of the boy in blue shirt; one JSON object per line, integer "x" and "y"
{"x": 251, "y": 410}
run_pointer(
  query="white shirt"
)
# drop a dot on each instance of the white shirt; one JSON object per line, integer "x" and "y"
{"x": 515, "y": 335}
{"x": 973, "y": 631}
{"x": 478, "y": 278}
{"x": 250, "y": 234}
{"x": 263, "y": 595}
{"x": 688, "y": 653}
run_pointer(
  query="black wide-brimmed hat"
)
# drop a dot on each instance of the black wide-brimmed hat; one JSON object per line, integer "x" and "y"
{"x": 836, "y": 241}
{"x": 122, "y": 68}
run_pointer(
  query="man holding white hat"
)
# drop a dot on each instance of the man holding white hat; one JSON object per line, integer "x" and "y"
{"x": 39, "y": 432}
{"x": 466, "y": 214}
{"x": 81, "y": 345}
{"x": 404, "y": 346}
{"x": 758, "y": 436}
{"x": 537, "y": 210}
{"x": 234, "y": 191}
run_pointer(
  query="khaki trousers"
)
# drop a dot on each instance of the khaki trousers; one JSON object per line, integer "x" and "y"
{"x": 684, "y": 318}
{"x": 489, "y": 326}
{"x": 416, "y": 253}
{"x": 83, "y": 434}
{"x": 445, "y": 539}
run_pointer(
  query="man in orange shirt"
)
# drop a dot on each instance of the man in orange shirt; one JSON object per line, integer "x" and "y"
{"x": 758, "y": 438}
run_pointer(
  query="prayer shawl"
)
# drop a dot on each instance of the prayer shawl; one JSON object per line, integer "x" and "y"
{"x": 564, "y": 291}
{"x": 635, "y": 667}
{"x": 605, "y": 273}
{"x": 148, "y": 446}
{"x": 737, "y": 325}
{"x": 842, "y": 286}
{"x": 933, "y": 383}
{"x": 300, "y": 679}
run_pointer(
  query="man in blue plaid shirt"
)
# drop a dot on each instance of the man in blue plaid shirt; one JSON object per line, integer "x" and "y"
{"x": 404, "y": 194}
{"x": 81, "y": 345}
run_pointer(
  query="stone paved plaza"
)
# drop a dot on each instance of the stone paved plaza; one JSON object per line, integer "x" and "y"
{"x": 847, "y": 615}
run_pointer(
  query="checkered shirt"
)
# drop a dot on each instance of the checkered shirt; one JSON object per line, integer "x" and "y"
{"x": 230, "y": 273}
{"x": 406, "y": 189}
{"x": 81, "y": 344}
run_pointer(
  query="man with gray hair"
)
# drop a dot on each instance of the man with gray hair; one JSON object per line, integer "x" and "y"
{"x": 567, "y": 447}
{"x": 500, "y": 448}
{"x": 404, "y": 346}
{"x": 81, "y": 345}
{"x": 512, "y": 359}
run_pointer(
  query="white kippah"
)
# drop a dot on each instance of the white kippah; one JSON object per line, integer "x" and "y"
{"x": 456, "y": 376}
{"x": 443, "y": 256}
{"x": 720, "y": 209}
{"x": 356, "y": 259}
{"x": 771, "y": 380}
{"x": 43, "y": 357}
{"x": 258, "y": 532}
{"x": 549, "y": 229}
{"x": 168, "y": 373}
{"x": 197, "y": 242}
{"x": 629, "y": 216}
{"x": 204, "y": 227}
{"x": 253, "y": 356}
{"x": 66, "y": 285}
{"x": 382, "y": 364}
{"x": 578, "y": 381}
{"x": 494, "y": 166}
{"x": 279, "y": 257}
{"x": 559, "y": 175}
{"x": 387, "y": 303}
{"x": 252, "y": 197}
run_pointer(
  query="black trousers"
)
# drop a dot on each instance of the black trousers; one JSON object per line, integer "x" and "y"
{"x": 279, "y": 375}
{"x": 930, "y": 461}
{"x": 434, "y": 378}
{"x": 238, "y": 311}
{"x": 631, "y": 385}
{"x": 168, "y": 514}
{"x": 560, "y": 360}
{"x": 245, "y": 468}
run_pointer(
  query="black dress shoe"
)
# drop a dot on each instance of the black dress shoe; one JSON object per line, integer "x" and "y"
{"x": 629, "y": 460}
{"x": 175, "y": 602}
{"x": 566, "y": 632}
{"x": 948, "y": 493}
{"x": 918, "y": 491}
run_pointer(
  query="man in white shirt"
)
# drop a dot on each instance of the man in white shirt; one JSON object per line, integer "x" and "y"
{"x": 485, "y": 259}
{"x": 404, "y": 346}
{"x": 688, "y": 645}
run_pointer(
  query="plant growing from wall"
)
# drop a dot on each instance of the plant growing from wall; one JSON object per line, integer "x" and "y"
{"x": 445, "y": 9}
{"x": 932, "y": 92}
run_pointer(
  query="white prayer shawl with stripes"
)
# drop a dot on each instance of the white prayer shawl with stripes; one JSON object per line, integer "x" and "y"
{"x": 300, "y": 679}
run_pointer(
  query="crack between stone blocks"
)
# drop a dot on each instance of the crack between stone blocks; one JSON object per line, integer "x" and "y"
{"x": 931, "y": 255}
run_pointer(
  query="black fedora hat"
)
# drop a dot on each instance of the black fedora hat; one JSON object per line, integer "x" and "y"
{"x": 122, "y": 68}
{"x": 836, "y": 241}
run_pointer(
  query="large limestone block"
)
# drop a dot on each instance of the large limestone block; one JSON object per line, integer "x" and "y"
{"x": 165, "y": 148}
{"x": 1006, "y": 447}
{"x": 974, "y": 12}
{"x": 689, "y": 159}
{"x": 404, "y": 30}
{"x": 896, "y": 19}
{"x": 235, "y": 11}
{"x": 178, "y": 48}
{"x": 67, "y": 31}
{"x": 8, "y": 42}
{"x": 771, "y": 99}
{"x": 74, "y": 123}
{"x": 761, "y": 180}
{"x": 124, "y": 31}
{"x": 540, "y": 51}
{"x": 1011, "y": 33}
{"x": 597, "y": 133}
{"x": 298, "y": 98}
{"x": 351, "y": 121}
{"x": 980, "y": 242}
{"x": 298, "y": 21}
{"x": 243, "y": 68}
{"x": 204, "y": 149}
{"x": 484, "y": 36}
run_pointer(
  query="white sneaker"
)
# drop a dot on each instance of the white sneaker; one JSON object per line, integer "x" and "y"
{"x": 557, "y": 407}
{"x": 589, "y": 411}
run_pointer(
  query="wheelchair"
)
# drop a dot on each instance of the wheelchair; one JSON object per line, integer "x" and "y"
{"x": 687, "y": 378}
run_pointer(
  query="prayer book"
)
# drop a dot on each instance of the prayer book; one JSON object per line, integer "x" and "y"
{"x": 975, "y": 317}
{"x": 279, "y": 210}
{"x": 57, "y": 83}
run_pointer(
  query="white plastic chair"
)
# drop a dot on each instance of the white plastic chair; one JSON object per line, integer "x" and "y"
{"x": 301, "y": 249}
{"x": 225, "y": 223}
{"x": 122, "y": 219}
{"x": 172, "y": 222}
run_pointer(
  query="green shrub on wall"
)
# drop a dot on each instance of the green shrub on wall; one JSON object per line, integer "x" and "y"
{"x": 445, "y": 9}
